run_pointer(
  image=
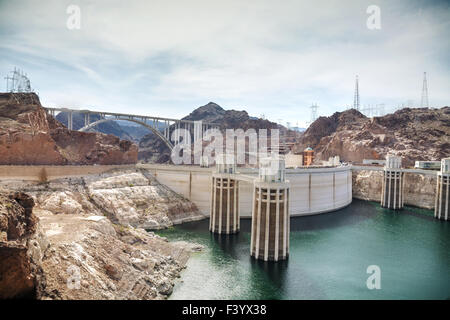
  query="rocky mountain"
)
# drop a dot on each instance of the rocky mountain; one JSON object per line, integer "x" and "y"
{"x": 414, "y": 134}
{"x": 153, "y": 149}
{"x": 228, "y": 119}
{"x": 136, "y": 132}
{"x": 28, "y": 135}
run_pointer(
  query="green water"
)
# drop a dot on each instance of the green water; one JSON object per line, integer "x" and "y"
{"x": 329, "y": 256}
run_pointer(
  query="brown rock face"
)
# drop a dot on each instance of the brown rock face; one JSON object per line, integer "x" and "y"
{"x": 21, "y": 247}
{"x": 29, "y": 136}
{"x": 414, "y": 134}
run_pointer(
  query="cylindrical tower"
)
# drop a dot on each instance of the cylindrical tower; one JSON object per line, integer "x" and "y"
{"x": 224, "y": 197}
{"x": 393, "y": 183}
{"x": 270, "y": 212}
{"x": 441, "y": 207}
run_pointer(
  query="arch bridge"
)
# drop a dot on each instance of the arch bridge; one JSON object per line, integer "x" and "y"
{"x": 160, "y": 126}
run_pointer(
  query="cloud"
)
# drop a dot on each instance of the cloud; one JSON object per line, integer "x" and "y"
{"x": 273, "y": 58}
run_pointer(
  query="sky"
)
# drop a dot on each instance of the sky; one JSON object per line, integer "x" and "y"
{"x": 270, "y": 58}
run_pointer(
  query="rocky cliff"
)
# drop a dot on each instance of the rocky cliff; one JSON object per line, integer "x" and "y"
{"x": 22, "y": 245}
{"x": 28, "y": 135}
{"x": 414, "y": 134}
{"x": 128, "y": 197}
{"x": 82, "y": 238}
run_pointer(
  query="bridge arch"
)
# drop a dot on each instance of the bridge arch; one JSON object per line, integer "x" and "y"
{"x": 154, "y": 130}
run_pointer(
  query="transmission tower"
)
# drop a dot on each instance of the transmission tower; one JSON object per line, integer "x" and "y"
{"x": 356, "y": 97}
{"x": 314, "y": 112}
{"x": 373, "y": 110}
{"x": 424, "y": 101}
{"x": 17, "y": 82}
{"x": 380, "y": 109}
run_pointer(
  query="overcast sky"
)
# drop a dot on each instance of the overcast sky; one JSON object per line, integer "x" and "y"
{"x": 268, "y": 57}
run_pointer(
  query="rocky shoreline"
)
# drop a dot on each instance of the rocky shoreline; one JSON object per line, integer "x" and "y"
{"x": 85, "y": 238}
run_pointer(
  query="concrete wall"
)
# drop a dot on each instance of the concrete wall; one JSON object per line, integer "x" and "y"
{"x": 194, "y": 183}
{"x": 420, "y": 187}
{"x": 312, "y": 191}
{"x": 32, "y": 173}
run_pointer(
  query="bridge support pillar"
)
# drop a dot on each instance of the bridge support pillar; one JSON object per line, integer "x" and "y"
{"x": 393, "y": 184}
{"x": 224, "y": 204}
{"x": 441, "y": 208}
{"x": 270, "y": 213}
{"x": 70, "y": 120}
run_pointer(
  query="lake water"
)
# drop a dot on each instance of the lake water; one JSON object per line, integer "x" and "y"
{"x": 329, "y": 256}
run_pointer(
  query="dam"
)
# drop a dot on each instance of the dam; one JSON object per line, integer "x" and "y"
{"x": 312, "y": 190}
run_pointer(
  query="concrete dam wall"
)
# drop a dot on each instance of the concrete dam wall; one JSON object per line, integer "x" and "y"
{"x": 312, "y": 191}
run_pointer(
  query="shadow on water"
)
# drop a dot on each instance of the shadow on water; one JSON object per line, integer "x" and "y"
{"x": 227, "y": 242}
{"x": 356, "y": 213}
{"x": 264, "y": 276}
{"x": 226, "y": 247}
{"x": 353, "y": 214}
{"x": 418, "y": 213}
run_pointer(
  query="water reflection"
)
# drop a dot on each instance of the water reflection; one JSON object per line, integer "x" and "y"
{"x": 227, "y": 243}
{"x": 275, "y": 271}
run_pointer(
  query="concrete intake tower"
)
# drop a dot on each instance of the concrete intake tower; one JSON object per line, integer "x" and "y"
{"x": 393, "y": 180}
{"x": 441, "y": 207}
{"x": 224, "y": 217}
{"x": 270, "y": 213}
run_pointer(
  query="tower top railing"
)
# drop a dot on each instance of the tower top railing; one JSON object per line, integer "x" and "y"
{"x": 393, "y": 162}
{"x": 272, "y": 169}
{"x": 445, "y": 165}
{"x": 226, "y": 163}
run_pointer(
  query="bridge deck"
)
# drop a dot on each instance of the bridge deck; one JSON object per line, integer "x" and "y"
{"x": 125, "y": 115}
